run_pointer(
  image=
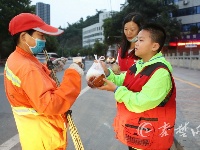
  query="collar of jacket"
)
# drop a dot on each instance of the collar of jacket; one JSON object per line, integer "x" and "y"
{"x": 26, "y": 54}
{"x": 23, "y": 52}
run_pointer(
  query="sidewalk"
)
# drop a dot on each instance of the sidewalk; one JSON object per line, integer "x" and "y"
{"x": 187, "y": 128}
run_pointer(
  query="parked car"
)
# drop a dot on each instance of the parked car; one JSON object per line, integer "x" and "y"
{"x": 53, "y": 56}
{"x": 70, "y": 58}
{"x": 41, "y": 57}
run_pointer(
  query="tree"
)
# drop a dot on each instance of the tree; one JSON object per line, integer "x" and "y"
{"x": 52, "y": 44}
{"x": 71, "y": 39}
{"x": 99, "y": 49}
{"x": 7, "y": 47}
{"x": 9, "y": 9}
{"x": 194, "y": 29}
{"x": 158, "y": 11}
{"x": 113, "y": 28}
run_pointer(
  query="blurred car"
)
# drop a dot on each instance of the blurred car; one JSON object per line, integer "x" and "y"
{"x": 110, "y": 60}
{"x": 41, "y": 57}
{"x": 70, "y": 58}
{"x": 53, "y": 56}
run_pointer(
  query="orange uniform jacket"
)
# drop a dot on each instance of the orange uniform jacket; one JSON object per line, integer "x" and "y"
{"x": 37, "y": 103}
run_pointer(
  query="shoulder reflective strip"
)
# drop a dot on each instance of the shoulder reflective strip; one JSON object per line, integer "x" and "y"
{"x": 24, "y": 111}
{"x": 12, "y": 77}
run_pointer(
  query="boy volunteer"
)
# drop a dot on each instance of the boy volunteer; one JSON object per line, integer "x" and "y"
{"x": 145, "y": 95}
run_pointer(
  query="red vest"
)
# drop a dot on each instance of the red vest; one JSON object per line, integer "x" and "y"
{"x": 127, "y": 62}
{"x": 152, "y": 129}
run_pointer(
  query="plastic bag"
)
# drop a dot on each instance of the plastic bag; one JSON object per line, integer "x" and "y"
{"x": 95, "y": 74}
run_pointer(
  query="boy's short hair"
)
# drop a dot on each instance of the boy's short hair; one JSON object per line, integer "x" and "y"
{"x": 157, "y": 33}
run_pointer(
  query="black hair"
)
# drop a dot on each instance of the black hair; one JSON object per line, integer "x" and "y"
{"x": 17, "y": 35}
{"x": 125, "y": 45}
{"x": 157, "y": 33}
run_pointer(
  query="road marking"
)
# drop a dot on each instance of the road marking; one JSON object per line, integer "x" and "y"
{"x": 10, "y": 143}
{"x": 15, "y": 139}
{"x": 107, "y": 125}
{"x": 178, "y": 89}
{"x": 84, "y": 90}
{"x": 187, "y": 82}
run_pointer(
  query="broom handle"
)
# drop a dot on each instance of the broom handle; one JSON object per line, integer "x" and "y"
{"x": 72, "y": 128}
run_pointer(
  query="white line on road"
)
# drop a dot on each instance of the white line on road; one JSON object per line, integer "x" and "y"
{"x": 15, "y": 139}
{"x": 84, "y": 90}
{"x": 10, "y": 143}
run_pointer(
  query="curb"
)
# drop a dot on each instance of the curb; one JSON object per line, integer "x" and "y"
{"x": 177, "y": 145}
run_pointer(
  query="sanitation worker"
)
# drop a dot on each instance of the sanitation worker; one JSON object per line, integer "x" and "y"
{"x": 37, "y": 103}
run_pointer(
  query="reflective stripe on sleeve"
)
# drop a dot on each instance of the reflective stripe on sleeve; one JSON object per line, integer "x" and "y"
{"x": 12, "y": 77}
{"x": 24, "y": 111}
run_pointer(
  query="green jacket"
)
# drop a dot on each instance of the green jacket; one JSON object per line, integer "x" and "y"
{"x": 152, "y": 93}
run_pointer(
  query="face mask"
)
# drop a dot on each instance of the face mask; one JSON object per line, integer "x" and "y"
{"x": 38, "y": 48}
{"x": 133, "y": 40}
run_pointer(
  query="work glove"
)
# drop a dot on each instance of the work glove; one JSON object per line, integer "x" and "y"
{"x": 77, "y": 65}
{"x": 59, "y": 64}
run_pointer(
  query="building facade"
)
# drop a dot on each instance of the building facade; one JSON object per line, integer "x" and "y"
{"x": 94, "y": 33}
{"x": 189, "y": 14}
{"x": 43, "y": 11}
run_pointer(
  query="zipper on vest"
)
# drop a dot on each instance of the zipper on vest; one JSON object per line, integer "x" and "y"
{"x": 137, "y": 127}
{"x": 147, "y": 119}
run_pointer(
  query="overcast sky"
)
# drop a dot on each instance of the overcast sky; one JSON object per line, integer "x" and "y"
{"x": 63, "y": 11}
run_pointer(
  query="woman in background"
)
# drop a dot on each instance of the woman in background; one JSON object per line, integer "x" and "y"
{"x": 126, "y": 54}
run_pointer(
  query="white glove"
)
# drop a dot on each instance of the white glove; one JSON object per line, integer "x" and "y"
{"x": 64, "y": 60}
{"x": 77, "y": 67}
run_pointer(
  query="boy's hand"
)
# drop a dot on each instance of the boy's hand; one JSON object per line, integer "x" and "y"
{"x": 90, "y": 84}
{"x": 108, "y": 86}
